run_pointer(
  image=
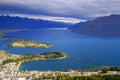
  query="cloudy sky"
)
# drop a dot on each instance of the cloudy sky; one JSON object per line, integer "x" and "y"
{"x": 71, "y": 11}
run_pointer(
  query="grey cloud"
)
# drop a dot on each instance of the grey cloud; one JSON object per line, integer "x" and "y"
{"x": 71, "y": 8}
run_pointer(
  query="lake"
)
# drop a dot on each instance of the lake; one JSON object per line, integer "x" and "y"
{"x": 84, "y": 52}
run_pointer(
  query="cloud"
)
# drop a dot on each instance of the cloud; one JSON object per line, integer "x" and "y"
{"x": 50, "y": 18}
{"x": 84, "y": 9}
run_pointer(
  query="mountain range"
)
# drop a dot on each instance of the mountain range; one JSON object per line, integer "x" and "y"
{"x": 102, "y": 26}
{"x": 8, "y": 22}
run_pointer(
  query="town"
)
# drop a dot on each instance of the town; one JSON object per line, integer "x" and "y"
{"x": 11, "y": 71}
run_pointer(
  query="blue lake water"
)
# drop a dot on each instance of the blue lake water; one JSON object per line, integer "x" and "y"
{"x": 84, "y": 52}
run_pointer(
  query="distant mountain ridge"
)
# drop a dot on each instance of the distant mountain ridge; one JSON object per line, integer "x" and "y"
{"x": 7, "y": 22}
{"x": 102, "y": 26}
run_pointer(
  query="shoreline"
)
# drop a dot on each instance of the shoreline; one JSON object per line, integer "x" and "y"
{"x": 18, "y": 66}
{"x": 76, "y": 70}
{"x": 63, "y": 57}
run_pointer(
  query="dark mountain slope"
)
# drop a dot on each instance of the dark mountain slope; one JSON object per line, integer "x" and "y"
{"x": 7, "y": 22}
{"x": 102, "y": 26}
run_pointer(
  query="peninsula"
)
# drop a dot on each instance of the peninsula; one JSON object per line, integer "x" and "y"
{"x": 28, "y": 44}
{"x": 28, "y": 57}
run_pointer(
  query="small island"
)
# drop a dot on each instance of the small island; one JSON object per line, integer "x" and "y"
{"x": 28, "y": 44}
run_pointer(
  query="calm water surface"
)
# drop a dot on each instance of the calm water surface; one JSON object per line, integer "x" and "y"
{"x": 84, "y": 52}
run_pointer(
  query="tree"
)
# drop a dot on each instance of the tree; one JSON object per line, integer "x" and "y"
{"x": 104, "y": 70}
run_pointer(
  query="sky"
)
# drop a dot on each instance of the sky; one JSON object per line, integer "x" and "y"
{"x": 68, "y": 11}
